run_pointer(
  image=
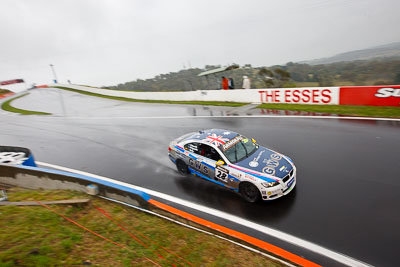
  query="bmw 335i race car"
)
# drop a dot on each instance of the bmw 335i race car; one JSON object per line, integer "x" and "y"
{"x": 234, "y": 161}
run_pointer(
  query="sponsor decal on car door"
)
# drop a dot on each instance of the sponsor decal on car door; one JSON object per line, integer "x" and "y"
{"x": 198, "y": 165}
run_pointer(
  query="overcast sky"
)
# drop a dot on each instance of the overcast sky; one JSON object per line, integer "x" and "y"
{"x": 98, "y": 42}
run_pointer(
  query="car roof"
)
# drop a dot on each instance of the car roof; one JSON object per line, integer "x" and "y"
{"x": 212, "y": 136}
{"x": 204, "y": 134}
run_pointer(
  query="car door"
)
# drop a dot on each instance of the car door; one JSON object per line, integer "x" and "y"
{"x": 197, "y": 163}
{"x": 211, "y": 157}
{"x": 203, "y": 161}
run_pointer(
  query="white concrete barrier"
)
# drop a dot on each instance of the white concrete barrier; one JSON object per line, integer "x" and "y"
{"x": 240, "y": 95}
{"x": 315, "y": 95}
{"x": 388, "y": 95}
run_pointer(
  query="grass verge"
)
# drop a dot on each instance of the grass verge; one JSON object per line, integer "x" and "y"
{"x": 35, "y": 236}
{"x": 4, "y": 91}
{"x": 370, "y": 111}
{"x": 7, "y": 106}
{"x": 209, "y": 103}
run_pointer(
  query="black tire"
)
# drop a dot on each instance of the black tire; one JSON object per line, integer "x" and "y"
{"x": 182, "y": 167}
{"x": 249, "y": 192}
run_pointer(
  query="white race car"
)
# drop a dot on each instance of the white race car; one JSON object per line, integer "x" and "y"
{"x": 234, "y": 161}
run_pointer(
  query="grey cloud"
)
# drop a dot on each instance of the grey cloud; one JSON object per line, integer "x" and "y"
{"x": 108, "y": 42}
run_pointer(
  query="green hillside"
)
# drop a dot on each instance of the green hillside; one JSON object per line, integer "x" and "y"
{"x": 381, "y": 71}
{"x": 383, "y": 51}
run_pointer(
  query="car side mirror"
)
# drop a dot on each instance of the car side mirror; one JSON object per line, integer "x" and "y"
{"x": 220, "y": 163}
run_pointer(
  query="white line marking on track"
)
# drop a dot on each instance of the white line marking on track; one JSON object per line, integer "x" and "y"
{"x": 344, "y": 259}
{"x": 239, "y": 116}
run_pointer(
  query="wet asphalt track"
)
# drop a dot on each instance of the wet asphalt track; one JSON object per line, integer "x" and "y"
{"x": 348, "y": 191}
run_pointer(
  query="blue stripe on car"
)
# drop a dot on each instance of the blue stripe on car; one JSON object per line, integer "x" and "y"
{"x": 180, "y": 149}
{"x": 234, "y": 178}
{"x": 193, "y": 157}
{"x": 172, "y": 158}
{"x": 211, "y": 180}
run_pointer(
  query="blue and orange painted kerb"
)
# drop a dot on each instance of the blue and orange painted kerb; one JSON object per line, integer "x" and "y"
{"x": 248, "y": 239}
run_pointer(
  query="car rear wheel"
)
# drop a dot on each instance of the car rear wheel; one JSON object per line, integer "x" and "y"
{"x": 249, "y": 192}
{"x": 182, "y": 167}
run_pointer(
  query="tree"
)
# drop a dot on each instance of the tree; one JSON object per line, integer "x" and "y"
{"x": 266, "y": 76}
{"x": 360, "y": 72}
{"x": 210, "y": 67}
{"x": 324, "y": 80}
{"x": 282, "y": 74}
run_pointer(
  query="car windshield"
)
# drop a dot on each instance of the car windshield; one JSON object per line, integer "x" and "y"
{"x": 239, "y": 148}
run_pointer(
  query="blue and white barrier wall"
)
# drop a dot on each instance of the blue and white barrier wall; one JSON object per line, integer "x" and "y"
{"x": 18, "y": 168}
{"x": 16, "y": 155}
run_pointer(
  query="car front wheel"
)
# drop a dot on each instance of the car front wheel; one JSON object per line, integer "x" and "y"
{"x": 182, "y": 167}
{"x": 249, "y": 192}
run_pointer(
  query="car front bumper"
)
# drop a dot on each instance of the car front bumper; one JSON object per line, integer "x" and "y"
{"x": 171, "y": 158}
{"x": 279, "y": 190}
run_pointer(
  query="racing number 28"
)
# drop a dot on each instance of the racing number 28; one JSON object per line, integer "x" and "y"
{"x": 221, "y": 174}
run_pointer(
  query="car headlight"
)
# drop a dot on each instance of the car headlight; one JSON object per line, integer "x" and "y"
{"x": 270, "y": 184}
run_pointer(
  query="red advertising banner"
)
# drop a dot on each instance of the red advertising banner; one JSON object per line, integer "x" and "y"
{"x": 384, "y": 95}
{"x": 315, "y": 95}
{"x": 11, "y": 81}
{"x": 6, "y": 95}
